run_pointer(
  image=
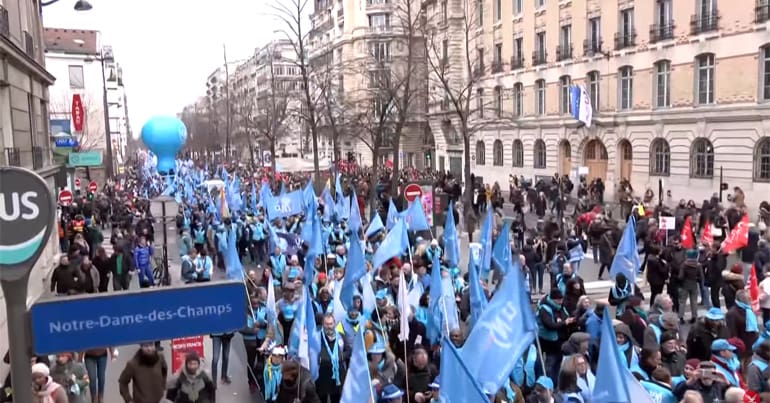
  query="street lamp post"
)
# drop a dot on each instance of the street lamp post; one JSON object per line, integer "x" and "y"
{"x": 80, "y": 5}
{"x": 107, "y": 132}
{"x": 160, "y": 207}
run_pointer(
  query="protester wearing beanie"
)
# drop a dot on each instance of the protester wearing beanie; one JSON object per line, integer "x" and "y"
{"x": 193, "y": 385}
{"x": 671, "y": 356}
{"x": 44, "y": 389}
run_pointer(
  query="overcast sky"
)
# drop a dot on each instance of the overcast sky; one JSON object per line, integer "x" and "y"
{"x": 169, "y": 47}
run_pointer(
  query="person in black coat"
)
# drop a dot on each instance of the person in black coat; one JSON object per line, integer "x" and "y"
{"x": 657, "y": 272}
{"x": 121, "y": 273}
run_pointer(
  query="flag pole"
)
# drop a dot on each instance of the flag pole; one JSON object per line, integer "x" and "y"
{"x": 540, "y": 355}
{"x": 406, "y": 372}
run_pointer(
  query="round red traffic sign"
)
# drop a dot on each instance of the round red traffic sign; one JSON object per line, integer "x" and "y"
{"x": 77, "y": 183}
{"x": 92, "y": 187}
{"x": 65, "y": 197}
{"x": 412, "y": 191}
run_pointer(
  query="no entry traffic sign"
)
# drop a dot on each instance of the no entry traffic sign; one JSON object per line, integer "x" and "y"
{"x": 65, "y": 197}
{"x": 92, "y": 187}
{"x": 412, "y": 191}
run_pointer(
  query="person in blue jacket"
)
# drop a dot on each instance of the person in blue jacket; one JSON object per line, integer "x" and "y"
{"x": 143, "y": 254}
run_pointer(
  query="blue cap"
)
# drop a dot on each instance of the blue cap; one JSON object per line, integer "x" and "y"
{"x": 391, "y": 391}
{"x": 721, "y": 345}
{"x": 715, "y": 314}
{"x": 545, "y": 382}
{"x": 377, "y": 348}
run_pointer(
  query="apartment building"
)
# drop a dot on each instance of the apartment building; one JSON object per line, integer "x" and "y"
{"x": 88, "y": 68}
{"x": 355, "y": 46}
{"x": 680, "y": 94}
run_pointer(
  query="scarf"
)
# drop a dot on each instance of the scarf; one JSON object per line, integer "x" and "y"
{"x": 623, "y": 348}
{"x": 622, "y": 295}
{"x": 334, "y": 355}
{"x": 272, "y": 374}
{"x": 751, "y": 317}
{"x": 193, "y": 384}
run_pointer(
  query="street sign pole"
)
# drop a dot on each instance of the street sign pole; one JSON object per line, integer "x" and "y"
{"x": 24, "y": 233}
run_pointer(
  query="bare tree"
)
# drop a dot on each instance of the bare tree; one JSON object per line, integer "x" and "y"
{"x": 92, "y": 137}
{"x": 334, "y": 117}
{"x": 293, "y": 15}
{"x": 455, "y": 77}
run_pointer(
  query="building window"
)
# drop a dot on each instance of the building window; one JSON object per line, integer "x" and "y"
{"x": 518, "y": 6}
{"x": 540, "y": 97}
{"x": 379, "y": 22}
{"x": 518, "y": 99}
{"x": 564, "y": 91}
{"x": 498, "y": 10}
{"x": 380, "y": 51}
{"x": 593, "y": 88}
{"x": 497, "y": 63}
{"x": 539, "y": 3}
{"x": 702, "y": 159}
{"x": 480, "y": 102}
{"x": 444, "y": 12}
{"x": 480, "y": 153}
{"x": 77, "y": 81}
{"x": 480, "y": 11}
{"x": 664, "y": 24}
{"x": 626, "y": 88}
{"x": 762, "y": 160}
{"x": 660, "y": 157}
{"x": 663, "y": 84}
{"x": 765, "y": 69}
{"x": 564, "y": 52}
{"x": 539, "y": 154}
{"x": 704, "y": 78}
{"x": 445, "y": 50}
{"x": 497, "y": 153}
{"x": 499, "y": 102}
{"x": 517, "y": 60}
{"x": 517, "y": 157}
{"x": 540, "y": 53}
{"x": 594, "y": 41}
{"x": 626, "y": 36}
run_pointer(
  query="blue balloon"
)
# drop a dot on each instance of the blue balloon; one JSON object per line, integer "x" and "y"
{"x": 164, "y": 136}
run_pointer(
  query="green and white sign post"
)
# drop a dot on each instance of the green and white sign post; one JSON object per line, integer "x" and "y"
{"x": 27, "y": 217}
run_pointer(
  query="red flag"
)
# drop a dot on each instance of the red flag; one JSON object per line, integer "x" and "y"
{"x": 754, "y": 289}
{"x": 737, "y": 238}
{"x": 707, "y": 238}
{"x": 686, "y": 238}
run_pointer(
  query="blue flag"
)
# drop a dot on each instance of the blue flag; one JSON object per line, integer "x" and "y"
{"x": 457, "y": 383}
{"x": 286, "y": 205}
{"x": 374, "y": 226}
{"x": 329, "y": 205}
{"x": 358, "y": 386}
{"x": 395, "y": 243}
{"x": 436, "y": 307}
{"x": 478, "y": 297}
{"x": 415, "y": 216}
{"x": 451, "y": 243}
{"x": 393, "y": 216}
{"x": 504, "y": 331}
{"x": 626, "y": 258}
{"x": 253, "y": 197}
{"x": 355, "y": 269}
{"x": 309, "y": 194}
{"x": 486, "y": 244}
{"x": 501, "y": 252}
{"x": 354, "y": 222}
{"x": 610, "y": 386}
{"x": 313, "y": 337}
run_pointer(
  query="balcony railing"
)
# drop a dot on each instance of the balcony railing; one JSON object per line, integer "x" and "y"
{"x": 661, "y": 32}
{"x": 497, "y": 67}
{"x": 592, "y": 47}
{"x": 539, "y": 57}
{"x": 5, "y": 28}
{"x": 12, "y": 156}
{"x": 762, "y": 11}
{"x": 704, "y": 23}
{"x": 564, "y": 52}
{"x": 517, "y": 62}
{"x": 625, "y": 39}
{"x": 37, "y": 157}
{"x": 478, "y": 71}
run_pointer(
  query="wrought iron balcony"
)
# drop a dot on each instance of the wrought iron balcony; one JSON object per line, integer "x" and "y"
{"x": 497, "y": 67}
{"x": 661, "y": 32}
{"x": 564, "y": 52}
{"x": 539, "y": 57}
{"x": 517, "y": 62}
{"x": 762, "y": 11}
{"x": 37, "y": 157}
{"x": 704, "y": 23}
{"x": 12, "y": 156}
{"x": 592, "y": 47}
{"x": 625, "y": 39}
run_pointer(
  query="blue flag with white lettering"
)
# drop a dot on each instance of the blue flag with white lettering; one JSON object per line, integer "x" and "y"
{"x": 457, "y": 383}
{"x": 504, "y": 331}
{"x": 289, "y": 204}
{"x": 358, "y": 386}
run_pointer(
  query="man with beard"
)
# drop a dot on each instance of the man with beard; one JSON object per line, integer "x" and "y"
{"x": 296, "y": 384}
{"x": 193, "y": 385}
{"x": 331, "y": 362}
{"x": 146, "y": 372}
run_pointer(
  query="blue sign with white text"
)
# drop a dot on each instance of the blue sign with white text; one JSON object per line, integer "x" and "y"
{"x": 117, "y": 319}
{"x": 66, "y": 142}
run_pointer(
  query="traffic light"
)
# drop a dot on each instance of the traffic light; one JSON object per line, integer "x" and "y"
{"x": 428, "y": 156}
{"x": 90, "y": 196}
